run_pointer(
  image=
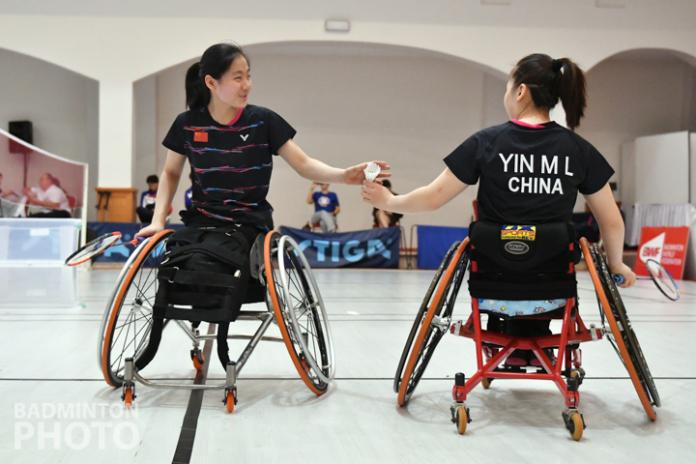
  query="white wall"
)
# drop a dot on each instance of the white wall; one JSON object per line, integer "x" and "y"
{"x": 354, "y": 104}
{"x": 119, "y": 50}
{"x": 637, "y": 95}
{"x": 61, "y": 104}
{"x": 128, "y": 42}
{"x": 661, "y": 168}
{"x": 145, "y": 144}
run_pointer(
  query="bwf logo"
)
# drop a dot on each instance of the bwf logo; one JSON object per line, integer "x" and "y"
{"x": 652, "y": 249}
{"x": 74, "y": 426}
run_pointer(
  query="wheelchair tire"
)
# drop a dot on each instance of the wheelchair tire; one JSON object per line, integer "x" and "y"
{"x": 419, "y": 316}
{"x": 625, "y": 340}
{"x": 299, "y": 311}
{"x": 135, "y": 290}
{"x": 439, "y": 303}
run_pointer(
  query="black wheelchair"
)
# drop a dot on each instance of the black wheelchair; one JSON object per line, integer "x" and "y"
{"x": 281, "y": 277}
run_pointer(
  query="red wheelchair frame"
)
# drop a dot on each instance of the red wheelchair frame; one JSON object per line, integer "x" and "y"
{"x": 433, "y": 320}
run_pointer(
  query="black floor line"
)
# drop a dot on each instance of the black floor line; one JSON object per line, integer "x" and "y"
{"x": 187, "y": 436}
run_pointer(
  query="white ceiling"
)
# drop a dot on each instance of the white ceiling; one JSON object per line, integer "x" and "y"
{"x": 533, "y": 13}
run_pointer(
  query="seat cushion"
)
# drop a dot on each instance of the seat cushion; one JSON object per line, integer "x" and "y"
{"x": 514, "y": 308}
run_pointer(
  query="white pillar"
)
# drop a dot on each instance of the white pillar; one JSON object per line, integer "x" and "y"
{"x": 115, "y": 133}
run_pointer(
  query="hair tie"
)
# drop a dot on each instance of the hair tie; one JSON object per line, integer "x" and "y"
{"x": 557, "y": 66}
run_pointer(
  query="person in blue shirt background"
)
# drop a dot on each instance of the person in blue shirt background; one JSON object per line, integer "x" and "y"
{"x": 326, "y": 207}
{"x": 147, "y": 200}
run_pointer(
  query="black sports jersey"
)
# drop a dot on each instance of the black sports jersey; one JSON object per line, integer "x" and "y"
{"x": 231, "y": 164}
{"x": 529, "y": 174}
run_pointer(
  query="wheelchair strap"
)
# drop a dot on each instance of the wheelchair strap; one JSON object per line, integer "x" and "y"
{"x": 215, "y": 251}
{"x": 150, "y": 350}
{"x": 212, "y": 279}
{"x": 223, "y": 348}
{"x": 184, "y": 298}
{"x": 153, "y": 342}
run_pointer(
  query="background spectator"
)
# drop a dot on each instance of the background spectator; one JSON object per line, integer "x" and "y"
{"x": 147, "y": 200}
{"x": 50, "y": 197}
{"x": 326, "y": 208}
{"x": 382, "y": 218}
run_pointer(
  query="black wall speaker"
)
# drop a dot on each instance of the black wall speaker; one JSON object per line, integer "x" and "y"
{"x": 22, "y": 130}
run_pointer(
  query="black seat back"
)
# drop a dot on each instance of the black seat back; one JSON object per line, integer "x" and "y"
{"x": 522, "y": 262}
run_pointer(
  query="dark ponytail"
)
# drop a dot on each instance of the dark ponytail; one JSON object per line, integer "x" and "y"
{"x": 195, "y": 89}
{"x": 216, "y": 60}
{"x": 550, "y": 80}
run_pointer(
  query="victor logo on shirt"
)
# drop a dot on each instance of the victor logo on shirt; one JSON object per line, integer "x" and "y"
{"x": 529, "y": 164}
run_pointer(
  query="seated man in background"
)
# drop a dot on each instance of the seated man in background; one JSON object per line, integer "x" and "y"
{"x": 381, "y": 218}
{"x": 147, "y": 200}
{"x": 326, "y": 208}
{"x": 50, "y": 197}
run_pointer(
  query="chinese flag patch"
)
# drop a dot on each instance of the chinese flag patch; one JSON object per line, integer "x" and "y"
{"x": 200, "y": 136}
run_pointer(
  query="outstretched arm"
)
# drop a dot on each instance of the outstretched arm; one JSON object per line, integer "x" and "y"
{"x": 313, "y": 169}
{"x": 427, "y": 198}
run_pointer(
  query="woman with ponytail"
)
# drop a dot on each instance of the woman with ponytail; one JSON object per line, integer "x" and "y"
{"x": 530, "y": 170}
{"x": 230, "y": 145}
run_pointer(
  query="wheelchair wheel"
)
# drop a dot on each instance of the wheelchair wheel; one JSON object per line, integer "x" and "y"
{"x": 127, "y": 322}
{"x": 622, "y": 337}
{"x": 432, "y": 321}
{"x": 421, "y": 311}
{"x": 299, "y": 311}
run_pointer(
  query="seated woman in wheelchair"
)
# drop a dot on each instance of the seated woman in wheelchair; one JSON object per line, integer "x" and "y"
{"x": 230, "y": 146}
{"x": 530, "y": 171}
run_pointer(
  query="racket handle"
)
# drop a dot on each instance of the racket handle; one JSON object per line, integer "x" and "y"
{"x": 136, "y": 241}
{"x": 619, "y": 279}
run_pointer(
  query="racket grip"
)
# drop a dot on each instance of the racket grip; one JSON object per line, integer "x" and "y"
{"x": 136, "y": 241}
{"x": 619, "y": 279}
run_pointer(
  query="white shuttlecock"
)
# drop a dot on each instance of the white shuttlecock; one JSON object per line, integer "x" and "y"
{"x": 372, "y": 171}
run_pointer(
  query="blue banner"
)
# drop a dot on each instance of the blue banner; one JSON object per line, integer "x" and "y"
{"x": 433, "y": 243}
{"x": 362, "y": 248}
